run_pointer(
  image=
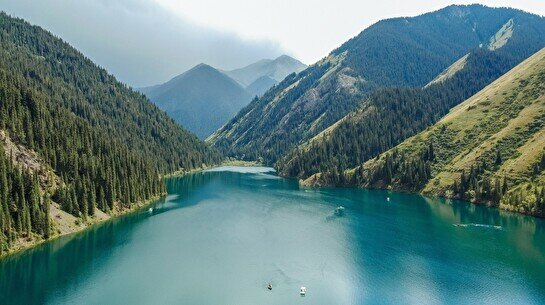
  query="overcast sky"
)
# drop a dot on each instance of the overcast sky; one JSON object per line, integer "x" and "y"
{"x": 145, "y": 42}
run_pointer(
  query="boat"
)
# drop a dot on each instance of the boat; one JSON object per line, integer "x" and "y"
{"x": 269, "y": 286}
{"x": 303, "y": 291}
{"x": 150, "y": 210}
{"x": 339, "y": 211}
{"x": 388, "y": 199}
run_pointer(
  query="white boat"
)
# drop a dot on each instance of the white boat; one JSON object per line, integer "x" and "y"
{"x": 303, "y": 291}
{"x": 388, "y": 199}
{"x": 150, "y": 210}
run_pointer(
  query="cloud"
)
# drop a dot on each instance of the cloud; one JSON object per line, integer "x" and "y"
{"x": 138, "y": 41}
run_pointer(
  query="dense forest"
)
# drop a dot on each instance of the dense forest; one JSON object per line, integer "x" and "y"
{"x": 394, "y": 114}
{"x": 23, "y": 208}
{"x": 489, "y": 149}
{"x": 100, "y": 144}
{"x": 400, "y": 52}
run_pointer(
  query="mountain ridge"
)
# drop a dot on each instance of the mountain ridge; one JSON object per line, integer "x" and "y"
{"x": 398, "y": 52}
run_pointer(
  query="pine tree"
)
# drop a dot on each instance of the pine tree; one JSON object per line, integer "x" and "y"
{"x": 498, "y": 160}
{"x": 47, "y": 219}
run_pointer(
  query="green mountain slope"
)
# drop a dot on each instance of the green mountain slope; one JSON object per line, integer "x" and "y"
{"x": 490, "y": 148}
{"x": 76, "y": 143}
{"x": 391, "y": 115}
{"x": 395, "y": 52}
{"x": 201, "y": 99}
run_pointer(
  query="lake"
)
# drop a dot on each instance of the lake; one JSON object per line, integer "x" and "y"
{"x": 220, "y": 236}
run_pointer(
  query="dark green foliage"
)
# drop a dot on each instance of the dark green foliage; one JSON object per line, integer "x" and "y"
{"x": 412, "y": 51}
{"x": 69, "y": 81}
{"x": 108, "y": 144}
{"x": 399, "y": 169}
{"x": 23, "y": 209}
{"x": 392, "y": 115}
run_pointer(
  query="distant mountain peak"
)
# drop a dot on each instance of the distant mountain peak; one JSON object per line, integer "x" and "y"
{"x": 286, "y": 58}
{"x": 203, "y": 97}
{"x": 276, "y": 69}
{"x": 201, "y": 67}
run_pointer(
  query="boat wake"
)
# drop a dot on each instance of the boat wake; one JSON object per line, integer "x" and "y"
{"x": 477, "y": 225}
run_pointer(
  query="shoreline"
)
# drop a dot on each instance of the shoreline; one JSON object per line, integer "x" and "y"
{"x": 82, "y": 227}
{"x": 502, "y": 208}
{"x": 238, "y": 163}
{"x": 22, "y": 246}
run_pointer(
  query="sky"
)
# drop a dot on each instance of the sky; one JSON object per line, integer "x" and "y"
{"x": 145, "y": 42}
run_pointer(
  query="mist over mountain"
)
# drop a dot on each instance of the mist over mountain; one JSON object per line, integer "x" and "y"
{"x": 74, "y": 141}
{"x": 138, "y": 41}
{"x": 276, "y": 69}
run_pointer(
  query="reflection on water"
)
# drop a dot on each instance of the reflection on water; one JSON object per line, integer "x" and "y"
{"x": 222, "y": 235}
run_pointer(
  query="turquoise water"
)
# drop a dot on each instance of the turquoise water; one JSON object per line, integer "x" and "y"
{"x": 222, "y": 235}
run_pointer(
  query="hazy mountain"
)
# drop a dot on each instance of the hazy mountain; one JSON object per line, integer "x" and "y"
{"x": 260, "y": 86}
{"x": 276, "y": 69}
{"x": 490, "y": 148}
{"x": 201, "y": 99}
{"x": 204, "y": 98}
{"x": 399, "y": 52}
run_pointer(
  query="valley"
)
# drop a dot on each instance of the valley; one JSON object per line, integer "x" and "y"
{"x": 407, "y": 165}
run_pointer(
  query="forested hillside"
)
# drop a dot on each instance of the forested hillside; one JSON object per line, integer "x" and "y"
{"x": 391, "y": 115}
{"x": 75, "y": 138}
{"x": 490, "y": 148}
{"x": 400, "y": 52}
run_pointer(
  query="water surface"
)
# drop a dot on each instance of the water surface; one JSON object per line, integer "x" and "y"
{"x": 222, "y": 235}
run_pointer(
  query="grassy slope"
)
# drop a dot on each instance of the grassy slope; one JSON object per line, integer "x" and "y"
{"x": 507, "y": 116}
